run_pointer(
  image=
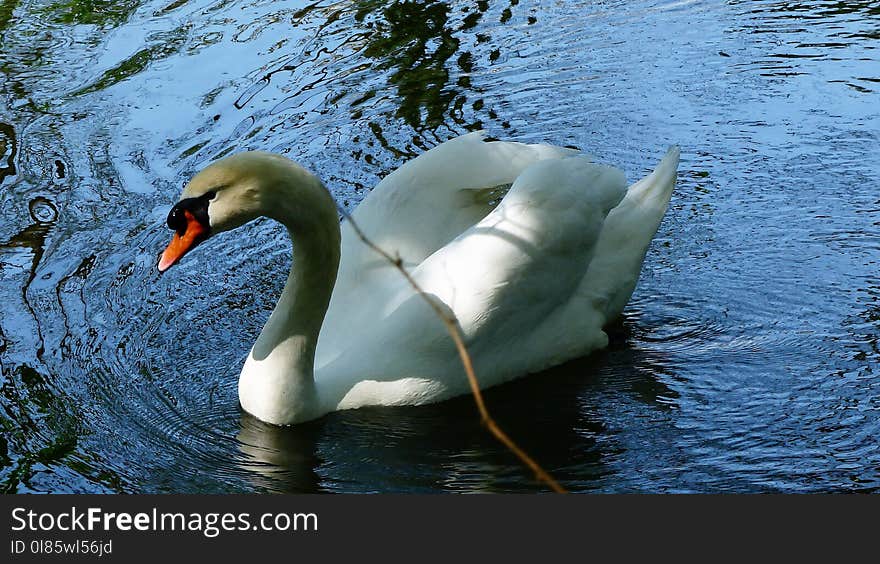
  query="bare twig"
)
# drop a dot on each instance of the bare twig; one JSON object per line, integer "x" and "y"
{"x": 453, "y": 327}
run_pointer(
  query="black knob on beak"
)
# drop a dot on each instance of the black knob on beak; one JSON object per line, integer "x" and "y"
{"x": 196, "y": 206}
{"x": 176, "y": 220}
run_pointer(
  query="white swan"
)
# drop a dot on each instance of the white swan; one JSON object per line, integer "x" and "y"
{"x": 532, "y": 279}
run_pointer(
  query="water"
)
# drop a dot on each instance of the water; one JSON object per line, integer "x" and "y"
{"x": 747, "y": 360}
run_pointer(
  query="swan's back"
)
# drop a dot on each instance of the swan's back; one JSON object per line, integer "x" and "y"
{"x": 532, "y": 279}
{"x": 435, "y": 197}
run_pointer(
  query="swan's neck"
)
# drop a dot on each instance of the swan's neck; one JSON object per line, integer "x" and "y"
{"x": 277, "y": 383}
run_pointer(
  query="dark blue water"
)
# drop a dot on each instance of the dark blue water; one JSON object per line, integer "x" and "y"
{"x": 747, "y": 360}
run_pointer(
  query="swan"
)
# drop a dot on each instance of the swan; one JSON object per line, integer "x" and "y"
{"x": 533, "y": 248}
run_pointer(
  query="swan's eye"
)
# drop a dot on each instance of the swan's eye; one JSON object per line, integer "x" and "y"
{"x": 210, "y": 195}
{"x": 176, "y": 220}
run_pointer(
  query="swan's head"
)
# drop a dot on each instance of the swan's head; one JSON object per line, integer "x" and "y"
{"x": 233, "y": 191}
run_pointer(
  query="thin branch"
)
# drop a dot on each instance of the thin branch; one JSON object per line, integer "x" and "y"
{"x": 453, "y": 327}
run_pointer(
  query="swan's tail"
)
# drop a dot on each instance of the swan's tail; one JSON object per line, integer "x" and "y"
{"x": 654, "y": 191}
{"x": 626, "y": 234}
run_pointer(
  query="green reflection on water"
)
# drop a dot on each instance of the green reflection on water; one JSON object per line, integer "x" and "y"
{"x": 103, "y": 13}
{"x": 415, "y": 41}
{"x": 40, "y": 413}
{"x": 6, "y": 9}
{"x": 138, "y": 62}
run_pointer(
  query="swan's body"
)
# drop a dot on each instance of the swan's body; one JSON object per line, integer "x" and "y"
{"x": 532, "y": 281}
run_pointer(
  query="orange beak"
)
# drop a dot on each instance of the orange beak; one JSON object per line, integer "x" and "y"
{"x": 181, "y": 244}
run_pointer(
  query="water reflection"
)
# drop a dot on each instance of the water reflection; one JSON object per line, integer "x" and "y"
{"x": 280, "y": 459}
{"x": 7, "y": 151}
{"x": 415, "y": 40}
{"x": 560, "y": 416}
{"x": 102, "y": 13}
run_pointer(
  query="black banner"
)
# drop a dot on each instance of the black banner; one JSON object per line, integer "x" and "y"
{"x": 404, "y": 528}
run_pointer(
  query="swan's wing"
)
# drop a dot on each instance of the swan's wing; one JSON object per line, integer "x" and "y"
{"x": 511, "y": 275}
{"x": 534, "y": 283}
{"x": 433, "y": 198}
{"x": 414, "y": 211}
